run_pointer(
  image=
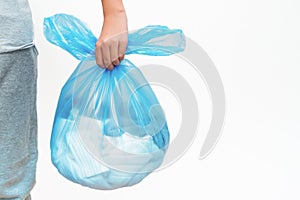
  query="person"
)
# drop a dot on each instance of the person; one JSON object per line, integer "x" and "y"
{"x": 18, "y": 87}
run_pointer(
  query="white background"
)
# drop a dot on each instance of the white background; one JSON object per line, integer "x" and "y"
{"x": 255, "y": 45}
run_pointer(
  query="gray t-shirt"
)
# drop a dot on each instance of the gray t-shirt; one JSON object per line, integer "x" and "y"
{"x": 16, "y": 27}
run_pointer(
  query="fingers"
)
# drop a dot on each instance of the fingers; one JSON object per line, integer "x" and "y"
{"x": 116, "y": 62}
{"x": 110, "y": 67}
{"x": 105, "y": 49}
{"x": 114, "y": 53}
{"x": 104, "y": 55}
{"x": 121, "y": 57}
{"x": 99, "y": 57}
{"x": 110, "y": 52}
{"x": 122, "y": 47}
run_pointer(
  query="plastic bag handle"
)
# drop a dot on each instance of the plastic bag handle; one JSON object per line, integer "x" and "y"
{"x": 74, "y": 36}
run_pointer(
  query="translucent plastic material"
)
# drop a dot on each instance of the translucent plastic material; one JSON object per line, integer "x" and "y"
{"x": 109, "y": 129}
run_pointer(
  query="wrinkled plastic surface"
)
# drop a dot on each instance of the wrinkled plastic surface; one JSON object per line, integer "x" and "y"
{"x": 109, "y": 129}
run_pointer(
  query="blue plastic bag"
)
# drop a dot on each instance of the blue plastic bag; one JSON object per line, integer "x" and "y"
{"x": 109, "y": 129}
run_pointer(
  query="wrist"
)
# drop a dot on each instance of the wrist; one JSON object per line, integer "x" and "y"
{"x": 115, "y": 12}
{"x": 112, "y": 7}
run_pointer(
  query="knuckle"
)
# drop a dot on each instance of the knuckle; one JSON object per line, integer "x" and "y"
{"x": 103, "y": 45}
{"x": 99, "y": 43}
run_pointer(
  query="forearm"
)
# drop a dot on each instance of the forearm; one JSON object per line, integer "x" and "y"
{"x": 111, "y": 7}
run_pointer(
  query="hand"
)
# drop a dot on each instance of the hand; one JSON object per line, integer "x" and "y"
{"x": 112, "y": 43}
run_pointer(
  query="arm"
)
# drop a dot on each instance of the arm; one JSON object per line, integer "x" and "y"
{"x": 112, "y": 43}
